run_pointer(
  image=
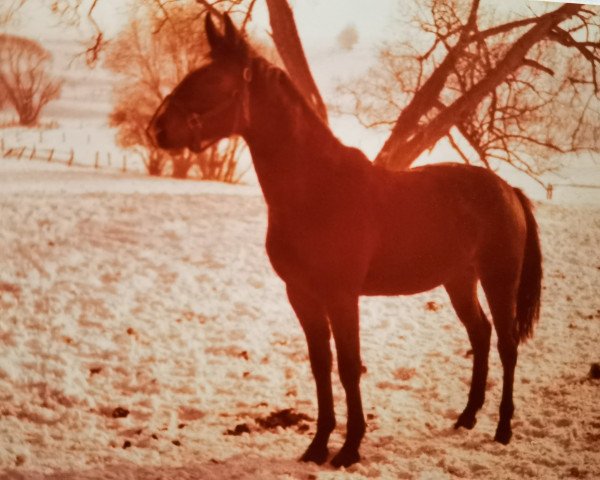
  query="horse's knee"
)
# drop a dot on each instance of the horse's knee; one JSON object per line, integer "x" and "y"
{"x": 507, "y": 348}
{"x": 480, "y": 335}
{"x": 349, "y": 370}
{"x": 485, "y": 329}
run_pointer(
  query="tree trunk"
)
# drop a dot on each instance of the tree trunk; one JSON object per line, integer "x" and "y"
{"x": 288, "y": 44}
{"x": 181, "y": 166}
{"x": 155, "y": 163}
{"x": 27, "y": 120}
{"x": 27, "y": 115}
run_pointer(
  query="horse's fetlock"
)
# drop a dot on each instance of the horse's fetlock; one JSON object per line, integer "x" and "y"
{"x": 326, "y": 425}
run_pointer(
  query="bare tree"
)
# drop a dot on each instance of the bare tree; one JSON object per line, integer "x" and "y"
{"x": 496, "y": 88}
{"x": 133, "y": 108}
{"x": 9, "y": 10}
{"x": 289, "y": 47}
{"x": 3, "y": 98}
{"x": 513, "y": 92}
{"x": 161, "y": 44}
{"x": 500, "y": 88}
{"x": 348, "y": 37}
{"x": 25, "y": 79}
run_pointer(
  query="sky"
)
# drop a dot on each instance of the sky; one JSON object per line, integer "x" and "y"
{"x": 319, "y": 21}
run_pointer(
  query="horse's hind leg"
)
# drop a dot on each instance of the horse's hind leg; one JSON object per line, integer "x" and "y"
{"x": 463, "y": 295}
{"x": 501, "y": 294}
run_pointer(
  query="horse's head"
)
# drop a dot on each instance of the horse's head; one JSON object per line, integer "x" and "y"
{"x": 210, "y": 103}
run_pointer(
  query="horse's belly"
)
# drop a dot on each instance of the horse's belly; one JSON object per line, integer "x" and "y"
{"x": 385, "y": 282}
{"x": 407, "y": 273}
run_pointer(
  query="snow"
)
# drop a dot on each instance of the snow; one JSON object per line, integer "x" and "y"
{"x": 156, "y": 296}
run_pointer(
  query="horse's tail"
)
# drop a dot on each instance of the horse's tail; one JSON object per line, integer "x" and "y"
{"x": 530, "y": 284}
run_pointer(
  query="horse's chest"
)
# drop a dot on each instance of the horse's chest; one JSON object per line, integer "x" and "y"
{"x": 314, "y": 253}
{"x": 294, "y": 254}
{"x": 283, "y": 256}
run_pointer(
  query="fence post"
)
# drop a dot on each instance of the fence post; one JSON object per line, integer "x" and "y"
{"x": 1, "y": 146}
{"x": 108, "y": 158}
{"x": 97, "y": 161}
{"x": 124, "y": 163}
{"x": 51, "y": 155}
{"x": 71, "y": 158}
{"x": 32, "y": 153}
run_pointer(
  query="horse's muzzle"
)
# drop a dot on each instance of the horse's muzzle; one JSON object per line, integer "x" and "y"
{"x": 155, "y": 131}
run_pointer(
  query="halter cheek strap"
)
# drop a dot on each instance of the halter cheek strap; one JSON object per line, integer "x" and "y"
{"x": 196, "y": 121}
{"x": 247, "y": 78}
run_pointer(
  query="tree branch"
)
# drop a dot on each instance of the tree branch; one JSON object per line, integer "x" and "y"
{"x": 289, "y": 46}
{"x": 538, "y": 66}
{"x": 399, "y": 153}
{"x": 427, "y": 96}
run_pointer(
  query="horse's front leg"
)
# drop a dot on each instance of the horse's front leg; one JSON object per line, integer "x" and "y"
{"x": 344, "y": 316}
{"x": 313, "y": 319}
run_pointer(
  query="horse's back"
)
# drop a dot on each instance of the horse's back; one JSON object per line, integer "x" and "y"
{"x": 435, "y": 222}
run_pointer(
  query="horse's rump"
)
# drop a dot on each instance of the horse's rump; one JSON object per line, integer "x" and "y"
{"x": 436, "y": 222}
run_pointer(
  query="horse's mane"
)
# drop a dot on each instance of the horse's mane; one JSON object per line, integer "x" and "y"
{"x": 278, "y": 80}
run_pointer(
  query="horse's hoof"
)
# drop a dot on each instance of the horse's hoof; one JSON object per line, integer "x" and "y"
{"x": 466, "y": 421}
{"x": 315, "y": 454}
{"x": 503, "y": 436}
{"x": 345, "y": 458}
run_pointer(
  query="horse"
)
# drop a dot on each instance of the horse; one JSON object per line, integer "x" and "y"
{"x": 340, "y": 227}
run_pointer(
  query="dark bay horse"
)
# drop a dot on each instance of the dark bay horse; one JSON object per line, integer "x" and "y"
{"x": 340, "y": 227}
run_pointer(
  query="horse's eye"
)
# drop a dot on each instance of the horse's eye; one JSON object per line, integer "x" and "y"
{"x": 194, "y": 121}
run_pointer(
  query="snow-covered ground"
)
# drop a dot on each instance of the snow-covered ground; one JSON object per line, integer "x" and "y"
{"x": 140, "y": 321}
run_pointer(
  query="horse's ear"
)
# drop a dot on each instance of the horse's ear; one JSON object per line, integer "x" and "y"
{"x": 231, "y": 33}
{"x": 215, "y": 40}
{"x": 229, "y": 45}
{"x": 234, "y": 38}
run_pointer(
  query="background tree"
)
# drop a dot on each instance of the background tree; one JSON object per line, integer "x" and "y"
{"x": 3, "y": 98}
{"x": 289, "y": 46}
{"x": 515, "y": 91}
{"x": 499, "y": 87}
{"x": 348, "y": 37}
{"x": 133, "y": 108}
{"x": 9, "y": 11}
{"x": 160, "y": 45}
{"x": 25, "y": 78}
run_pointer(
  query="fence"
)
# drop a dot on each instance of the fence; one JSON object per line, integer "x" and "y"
{"x": 589, "y": 187}
{"x": 68, "y": 157}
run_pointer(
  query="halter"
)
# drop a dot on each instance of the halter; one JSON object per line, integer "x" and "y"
{"x": 195, "y": 121}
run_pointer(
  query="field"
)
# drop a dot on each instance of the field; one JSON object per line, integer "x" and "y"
{"x": 143, "y": 334}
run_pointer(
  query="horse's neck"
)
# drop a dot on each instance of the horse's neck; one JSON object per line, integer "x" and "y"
{"x": 293, "y": 152}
